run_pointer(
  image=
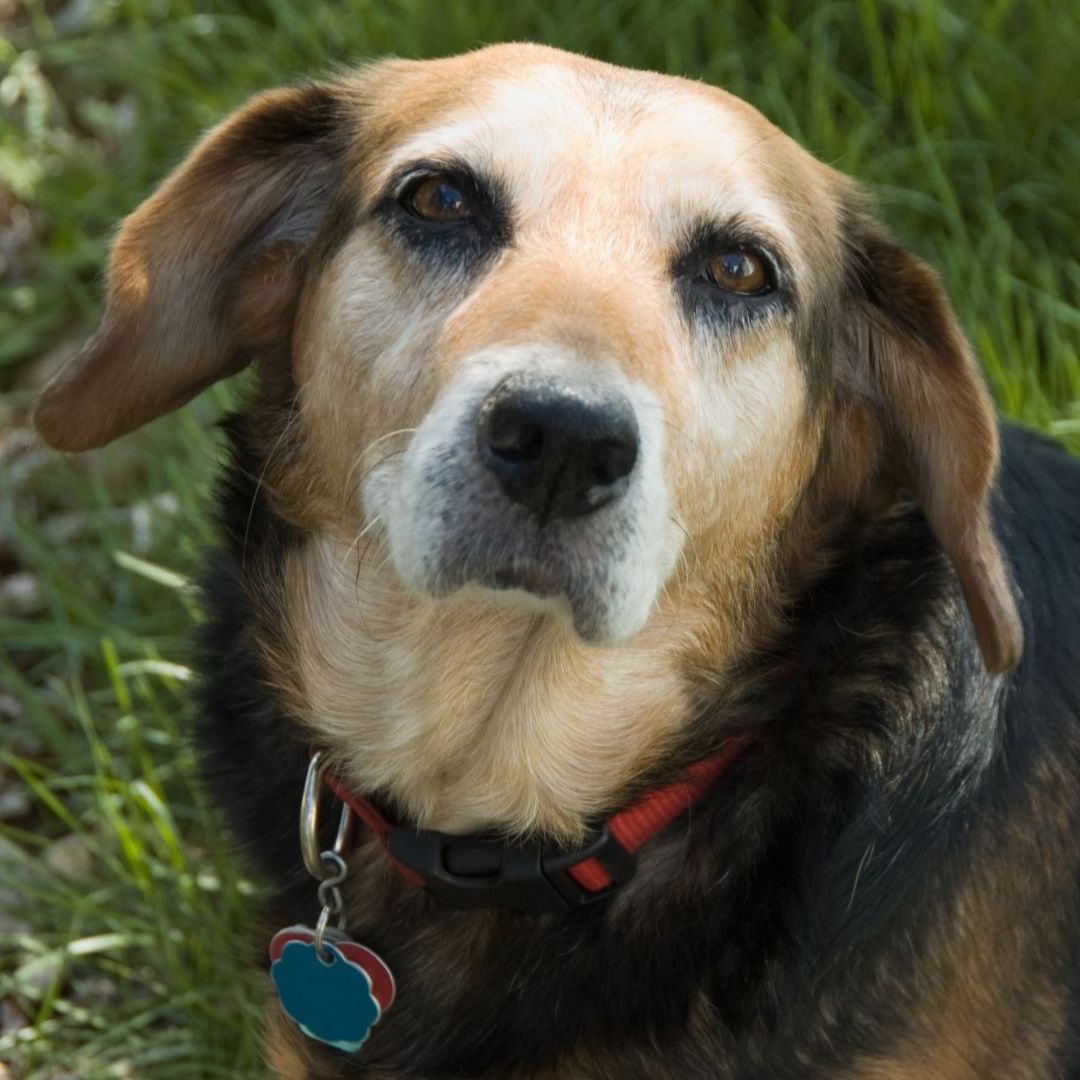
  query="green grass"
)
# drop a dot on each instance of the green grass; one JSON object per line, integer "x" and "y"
{"x": 125, "y": 926}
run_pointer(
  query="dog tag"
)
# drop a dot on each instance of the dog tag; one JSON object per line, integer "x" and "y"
{"x": 335, "y": 998}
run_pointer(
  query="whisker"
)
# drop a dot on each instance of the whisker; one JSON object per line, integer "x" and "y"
{"x": 360, "y": 536}
{"x": 347, "y": 484}
{"x": 382, "y": 461}
{"x": 672, "y": 426}
{"x": 389, "y": 435}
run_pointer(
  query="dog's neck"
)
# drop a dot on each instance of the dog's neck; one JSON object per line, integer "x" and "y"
{"x": 469, "y": 712}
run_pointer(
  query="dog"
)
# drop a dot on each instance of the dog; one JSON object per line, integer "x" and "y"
{"x": 620, "y": 519}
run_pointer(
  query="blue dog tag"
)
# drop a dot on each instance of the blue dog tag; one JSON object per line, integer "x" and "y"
{"x": 332, "y": 997}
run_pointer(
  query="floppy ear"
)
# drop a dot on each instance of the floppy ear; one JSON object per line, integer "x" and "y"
{"x": 938, "y": 437}
{"x": 205, "y": 272}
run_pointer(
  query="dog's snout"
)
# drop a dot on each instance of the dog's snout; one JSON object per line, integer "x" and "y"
{"x": 559, "y": 447}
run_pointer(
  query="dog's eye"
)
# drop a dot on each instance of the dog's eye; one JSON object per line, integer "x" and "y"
{"x": 437, "y": 199}
{"x": 740, "y": 271}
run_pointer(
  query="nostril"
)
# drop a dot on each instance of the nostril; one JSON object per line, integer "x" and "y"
{"x": 514, "y": 439}
{"x": 612, "y": 461}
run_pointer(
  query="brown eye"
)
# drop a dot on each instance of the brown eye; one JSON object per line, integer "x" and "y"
{"x": 437, "y": 199}
{"x": 740, "y": 271}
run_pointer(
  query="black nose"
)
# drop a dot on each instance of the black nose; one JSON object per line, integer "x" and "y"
{"x": 561, "y": 448}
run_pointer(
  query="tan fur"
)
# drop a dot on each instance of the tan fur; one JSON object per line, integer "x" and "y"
{"x": 969, "y": 1027}
{"x": 472, "y": 719}
{"x": 979, "y": 965}
{"x": 286, "y": 1051}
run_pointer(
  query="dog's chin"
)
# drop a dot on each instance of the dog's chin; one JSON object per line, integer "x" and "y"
{"x": 529, "y": 578}
{"x": 535, "y": 588}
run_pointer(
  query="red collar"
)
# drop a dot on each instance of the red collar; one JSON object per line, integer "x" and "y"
{"x": 485, "y": 871}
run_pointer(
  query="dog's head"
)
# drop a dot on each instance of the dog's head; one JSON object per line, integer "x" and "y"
{"x": 565, "y": 337}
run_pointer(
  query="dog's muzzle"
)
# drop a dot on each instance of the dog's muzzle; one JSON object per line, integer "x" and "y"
{"x": 539, "y": 477}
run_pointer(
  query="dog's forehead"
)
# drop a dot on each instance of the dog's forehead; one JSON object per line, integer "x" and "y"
{"x": 561, "y": 130}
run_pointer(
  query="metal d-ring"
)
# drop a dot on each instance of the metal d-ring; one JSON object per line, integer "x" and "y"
{"x": 322, "y": 865}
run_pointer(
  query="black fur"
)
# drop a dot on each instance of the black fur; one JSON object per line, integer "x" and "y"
{"x": 805, "y": 899}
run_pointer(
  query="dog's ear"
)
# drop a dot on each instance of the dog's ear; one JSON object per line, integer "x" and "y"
{"x": 205, "y": 272}
{"x": 937, "y": 433}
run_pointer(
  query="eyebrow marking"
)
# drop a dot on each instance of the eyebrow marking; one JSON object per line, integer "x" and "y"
{"x": 444, "y": 144}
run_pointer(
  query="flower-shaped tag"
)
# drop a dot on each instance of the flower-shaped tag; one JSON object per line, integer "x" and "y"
{"x": 336, "y": 1000}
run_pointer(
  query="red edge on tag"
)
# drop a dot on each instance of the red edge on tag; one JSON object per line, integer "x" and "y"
{"x": 283, "y": 937}
{"x": 383, "y": 988}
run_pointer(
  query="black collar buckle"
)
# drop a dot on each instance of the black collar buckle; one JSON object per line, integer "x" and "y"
{"x": 479, "y": 872}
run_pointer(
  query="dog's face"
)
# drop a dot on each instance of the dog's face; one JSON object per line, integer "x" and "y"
{"x": 566, "y": 345}
{"x": 561, "y": 338}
